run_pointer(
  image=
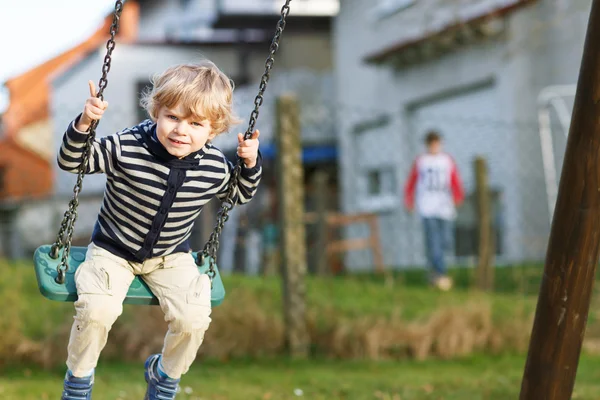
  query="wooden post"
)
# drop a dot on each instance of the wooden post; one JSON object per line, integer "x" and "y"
{"x": 574, "y": 244}
{"x": 320, "y": 179}
{"x": 271, "y": 250}
{"x": 378, "y": 253}
{"x": 291, "y": 223}
{"x": 375, "y": 244}
{"x": 485, "y": 271}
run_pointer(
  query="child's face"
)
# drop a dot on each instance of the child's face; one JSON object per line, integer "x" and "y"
{"x": 435, "y": 147}
{"x": 181, "y": 135}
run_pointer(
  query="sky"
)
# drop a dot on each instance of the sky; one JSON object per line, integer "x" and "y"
{"x": 33, "y": 31}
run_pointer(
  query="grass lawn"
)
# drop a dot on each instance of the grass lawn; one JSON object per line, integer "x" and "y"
{"x": 343, "y": 304}
{"x": 473, "y": 378}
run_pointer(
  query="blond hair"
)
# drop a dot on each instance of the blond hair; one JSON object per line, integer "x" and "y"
{"x": 201, "y": 88}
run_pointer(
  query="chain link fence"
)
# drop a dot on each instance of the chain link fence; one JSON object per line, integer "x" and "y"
{"x": 380, "y": 150}
{"x": 364, "y": 156}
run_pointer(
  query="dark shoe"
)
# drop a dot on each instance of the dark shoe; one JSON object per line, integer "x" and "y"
{"x": 77, "y": 388}
{"x": 159, "y": 388}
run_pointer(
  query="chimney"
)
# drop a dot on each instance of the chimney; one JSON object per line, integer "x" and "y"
{"x": 128, "y": 29}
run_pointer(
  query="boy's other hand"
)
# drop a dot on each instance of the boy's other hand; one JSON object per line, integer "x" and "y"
{"x": 248, "y": 149}
{"x": 93, "y": 110}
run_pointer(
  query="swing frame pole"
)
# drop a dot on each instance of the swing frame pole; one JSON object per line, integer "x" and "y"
{"x": 574, "y": 243}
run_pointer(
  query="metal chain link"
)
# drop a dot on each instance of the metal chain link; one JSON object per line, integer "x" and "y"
{"x": 212, "y": 246}
{"x": 65, "y": 234}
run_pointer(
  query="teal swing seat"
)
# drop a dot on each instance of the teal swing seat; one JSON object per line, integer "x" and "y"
{"x": 55, "y": 273}
{"x": 139, "y": 293}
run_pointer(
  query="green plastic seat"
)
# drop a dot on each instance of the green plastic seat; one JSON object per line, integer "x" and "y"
{"x": 139, "y": 292}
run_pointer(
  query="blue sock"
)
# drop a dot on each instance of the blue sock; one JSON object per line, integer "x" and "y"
{"x": 86, "y": 375}
{"x": 160, "y": 370}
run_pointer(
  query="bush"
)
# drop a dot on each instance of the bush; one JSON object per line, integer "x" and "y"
{"x": 348, "y": 318}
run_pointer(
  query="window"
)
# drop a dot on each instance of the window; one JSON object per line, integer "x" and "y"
{"x": 387, "y": 8}
{"x": 141, "y": 87}
{"x": 381, "y": 182}
{"x": 243, "y": 64}
{"x": 377, "y": 189}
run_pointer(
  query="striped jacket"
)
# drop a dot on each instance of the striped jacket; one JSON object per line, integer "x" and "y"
{"x": 152, "y": 198}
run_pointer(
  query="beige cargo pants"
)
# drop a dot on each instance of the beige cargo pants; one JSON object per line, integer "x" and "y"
{"x": 102, "y": 283}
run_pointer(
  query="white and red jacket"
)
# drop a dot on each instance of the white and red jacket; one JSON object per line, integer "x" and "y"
{"x": 434, "y": 186}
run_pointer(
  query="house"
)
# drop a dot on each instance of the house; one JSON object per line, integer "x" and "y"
{"x": 472, "y": 69}
{"x": 27, "y": 157}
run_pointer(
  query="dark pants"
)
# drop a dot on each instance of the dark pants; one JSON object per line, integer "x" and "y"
{"x": 437, "y": 241}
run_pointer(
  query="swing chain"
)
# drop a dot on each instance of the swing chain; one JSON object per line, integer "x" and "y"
{"x": 65, "y": 234}
{"x": 212, "y": 246}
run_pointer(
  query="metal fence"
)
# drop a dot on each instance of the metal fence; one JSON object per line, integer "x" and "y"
{"x": 379, "y": 151}
{"x": 365, "y": 156}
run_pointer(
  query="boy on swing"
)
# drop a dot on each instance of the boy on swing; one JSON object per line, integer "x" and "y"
{"x": 160, "y": 174}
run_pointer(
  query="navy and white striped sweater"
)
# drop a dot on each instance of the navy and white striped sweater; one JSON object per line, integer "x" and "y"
{"x": 152, "y": 198}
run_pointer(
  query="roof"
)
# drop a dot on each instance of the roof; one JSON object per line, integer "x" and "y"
{"x": 30, "y": 91}
{"x": 473, "y": 27}
{"x": 268, "y": 22}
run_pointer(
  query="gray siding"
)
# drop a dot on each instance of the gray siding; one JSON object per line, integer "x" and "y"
{"x": 162, "y": 19}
